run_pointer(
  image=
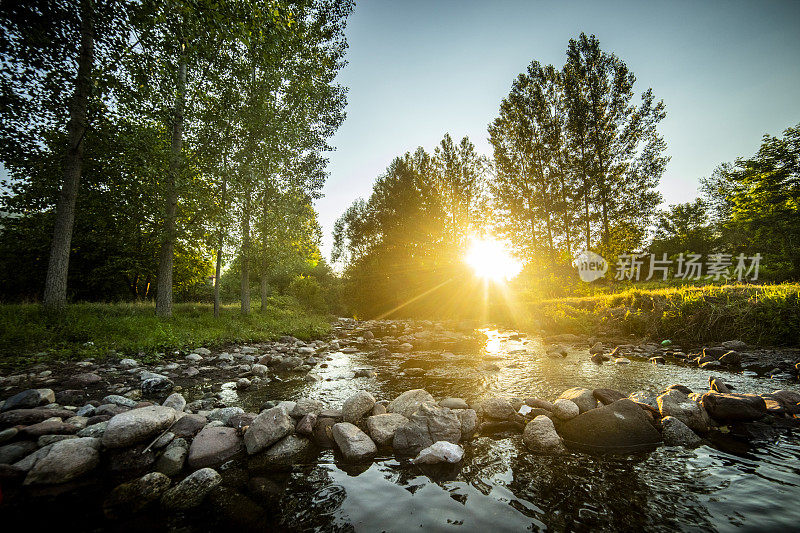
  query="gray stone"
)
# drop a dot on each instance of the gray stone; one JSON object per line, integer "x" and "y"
{"x": 28, "y": 399}
{"x": 439, "y": 452}
{"x": 267, "y": 428}
{"x": 407, "y": 403}
{"x": 677, "y": 404}
{"x": 583, "y": 398}
{"x": 225, "y": 414}
{"x": 128, "y": 363}
{"x": 137, "y": 425}
{"x": 454, "y": 403}
{"x": 676, "y": 433}
{"x": 540, "y": 436}
{"x": 290, "y": 450}
{"x": 176, "y": 401}
{"x": 171, "y": 461}
{"x": 214, "y": 446}
{"x": 122, "y": 401}
{"x": 565, "y": 409}
{"x": 731, "y": 358}
{"x": 132, "y": 497}
{"x": 29, "y": 461}
{"x": 190, "y": 492}
{"x": 67, "y": 460}
{"x": 156, "y": 385}
{"x": 427, "y": 425}
{"x": 11, "y": 453}
{"x": 469, "y": 422}
{"x": 356, "y": 406}
{"x": 734, "y": 407}
{"x": 306, "y": 406}
{"x": 8, "y": 434}
{"x": 306, "y": 425}
{"x": 496, "y": 408}
{"x": 622, "y": 426}
{"x": 383, "y": 427}
{"x": 355, "y": 445}
{"x": 94, "y": 430}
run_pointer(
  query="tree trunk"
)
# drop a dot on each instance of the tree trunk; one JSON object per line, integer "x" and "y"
{"x": 55, "y": 288}
{"x": 216, "y": 278}
{"x": 264, "y": 287}
{"x": 245, "y": 287}
{"x": 164, "y": 281}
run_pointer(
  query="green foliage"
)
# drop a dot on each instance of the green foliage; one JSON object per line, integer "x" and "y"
{"x": 27, "y": 333}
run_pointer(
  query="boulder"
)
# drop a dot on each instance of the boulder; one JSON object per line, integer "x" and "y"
{"x": 536, "y": 403}
{"x": 439, "y": 452}
{"x": 122, "y": 401}
{"x": 290, "y": 450}
{"x": 469, "y": 422}
{"x": 731, "y": 358}
{"x": 323, "y": 432}
{"x": 213, "y": 446}
{"x": 29, "y": 399}
{"x": 407, "y": 403}
{"x": 132, "y": 497}
{"x": 267, "y": 428}
{"x": 67, "y": 460}
{"x": 356, "y": 406}
{"x": 190, "y": 492}
{"x": 171, "y": 461}
{"x": 306, "y": 425}
{"x": 224, "y": 414}
{"x": 355, "y": 445}
{"x": 26, "y": 417}
{"x": 540, "y": 436}
{"x": 454, "y": 403}
{"x": 717, "y": 385}
{"x": 676, "y": 433}
{"x": 137, "y": 425}
{"x": 428, "y": 425}
{"x": 383, "y": 427}
{"x": 618, "y": 427}
{"x": 734, "y": 407}
{"x": 189, "y": 425}
{"x": 156, "y": 385}
{"x": 305, "y": 406}
{"x": 496, "y": 408}
{"x": 677, "y": 404}
{"x": 565, "y": 409}
{"x": 583, "y": 398}
{"x": 176, "y": 401}
{"x": 607, "y": 396}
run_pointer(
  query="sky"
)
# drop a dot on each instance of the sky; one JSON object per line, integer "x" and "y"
{"x": 728, "y": 72}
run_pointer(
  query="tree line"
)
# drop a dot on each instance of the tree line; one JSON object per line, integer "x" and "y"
{"x": 142, "y": 138}
{"x": 577, "y": 156}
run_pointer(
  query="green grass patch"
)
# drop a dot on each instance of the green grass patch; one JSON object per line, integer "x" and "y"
{"x": 759, "y": 314}
{"x": 95, "y": 330}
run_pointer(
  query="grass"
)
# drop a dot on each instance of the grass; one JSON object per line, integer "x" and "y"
{"x": 759, "y": 314}
{"x": 96, "y": 330}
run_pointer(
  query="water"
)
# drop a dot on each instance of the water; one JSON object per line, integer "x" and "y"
{"x": 500, "y": 486}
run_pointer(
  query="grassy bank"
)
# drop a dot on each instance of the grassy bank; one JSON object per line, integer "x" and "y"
{"x": 28, "y": 334}
{"x": 768, "y": 314}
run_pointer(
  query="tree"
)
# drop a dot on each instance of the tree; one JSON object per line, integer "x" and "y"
{"x": 683, "y": 228}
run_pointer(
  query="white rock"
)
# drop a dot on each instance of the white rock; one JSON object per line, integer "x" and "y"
{"x": 439, "y": 452}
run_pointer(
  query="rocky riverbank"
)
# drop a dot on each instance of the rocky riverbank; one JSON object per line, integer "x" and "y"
{"x": 130, "y": 427}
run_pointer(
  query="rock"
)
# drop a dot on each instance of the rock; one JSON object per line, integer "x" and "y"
{"x": 259, "y": 370}
{"x": 716, "y": 384}
{"x": 789, "y": 399}
{"x": 84, "y": 380}
{"x": 175, "y": 401}
{"x": 48, "y": 427}
{"x": 304, "y": 406}
{"x": 658, "y": 360}
{"x": 29, "y": 399}
{"x": 190, "y": 492}
{"x": 26, "y": 417}
{"x": 383, "y": 427}
{"x": 536, "y": 403}
{"x": 622, "y": 361}
{"x": 734, "y": 407}
{"x": 128, "y": 363}
{"x": 171, "y": 461}
{"x": 214, "y": 446}
{"x": 407, "y": 403}
{"x": 708, "y": 365}
{"x": 496, "y": 408}
{"x": 30, "y": 460}
{"x": 583, "y": 398}
{"x": 676, "y": 403}
{"x": 439, "y": 452}
{"x": 356, "y": 406}
{"x": 565, "y": 409}
{"x": 405, "y": 347}
{"x": 121, "y": 401}
{"x": 8, "y": 434}
{"x": 618, "y": 427}
{"x": 130, "y": 498}
{"x": 428, "y": 425}
{"x": 235, "y": 510}
{"x": 540, "y": 436}
{"x": 189, "y": 425}
{"x": 596, "y": 348}
{"x": 306, "y": 425}
{"x": 607, "y": 396}
{"x": 599, "y": 358}
{"x": 225, "y": 414}
{"x": 93, "y": 430}
{"x": 355, "y": 445}
{"x": 290, "y": 450}
{"x": 676, "y": 433}
{"x": 11, "y": 453}
{"x": 323, "y": 432}
{"x": 130, "y": 461}
{"x": 156, "y": 385}
{"x": 414, "y": 372}
{"x": 67, "y": 460}
{"x": 137, "y": 425}
{"x": 469, "y": 422}
{"x": 205, "y": 352}
{"x": 731, "y": 358}
{"x": 267, "y": 428}
{"x": 379, "y": 409}
{"x": 682, "y": 388}
{"x": 364, "y": 373}
{"x": 243, "y": 383}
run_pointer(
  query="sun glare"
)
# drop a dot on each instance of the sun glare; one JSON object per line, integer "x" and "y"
{"x": 490, "y": 259}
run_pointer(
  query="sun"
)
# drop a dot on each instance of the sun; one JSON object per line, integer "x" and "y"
{"x": 491, "y": 259}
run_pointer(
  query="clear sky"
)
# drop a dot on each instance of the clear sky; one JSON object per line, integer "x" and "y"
{"x": 728, "y": 73}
